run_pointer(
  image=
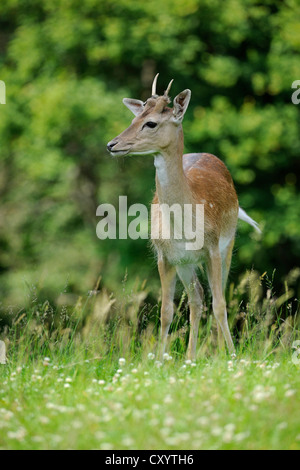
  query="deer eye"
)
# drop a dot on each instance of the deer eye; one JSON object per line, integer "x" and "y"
{"x": 150, "y": 124}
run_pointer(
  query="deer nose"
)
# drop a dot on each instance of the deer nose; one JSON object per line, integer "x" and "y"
{"x": 110, "y": 145}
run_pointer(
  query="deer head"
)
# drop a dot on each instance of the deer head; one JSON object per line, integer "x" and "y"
{"x": 155, "y": 125}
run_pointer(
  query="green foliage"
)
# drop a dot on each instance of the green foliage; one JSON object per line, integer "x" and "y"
{"x": 67, "y": 65}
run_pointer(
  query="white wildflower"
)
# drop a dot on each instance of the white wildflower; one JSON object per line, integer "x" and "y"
{"x": 167, "y": 357}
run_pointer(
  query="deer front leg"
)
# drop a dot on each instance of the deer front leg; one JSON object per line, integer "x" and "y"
{"x": 214, "y": 271}
{"x": 194, "y": 291}
{"x": 167, "y": 275}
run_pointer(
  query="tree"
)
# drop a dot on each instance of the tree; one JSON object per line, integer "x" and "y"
{"x": 67, "y": 66}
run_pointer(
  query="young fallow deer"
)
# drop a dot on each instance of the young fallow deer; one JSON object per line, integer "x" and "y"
{"x": 195, "y": 178}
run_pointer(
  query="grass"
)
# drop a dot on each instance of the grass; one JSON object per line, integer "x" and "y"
{"x": 86, "y": 377}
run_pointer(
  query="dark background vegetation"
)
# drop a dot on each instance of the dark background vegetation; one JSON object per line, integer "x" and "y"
{"x": 68, "y": 64}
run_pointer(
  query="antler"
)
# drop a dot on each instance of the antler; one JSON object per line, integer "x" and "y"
{"x": 169, "y": 87}
{"x": 154, "y": 84}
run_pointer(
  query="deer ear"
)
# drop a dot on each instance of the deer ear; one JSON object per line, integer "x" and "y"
{"x": 181, "y": 103}
{"x": 135, "y": 106}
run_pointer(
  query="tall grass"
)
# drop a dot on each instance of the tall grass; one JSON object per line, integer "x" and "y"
{"x": 100, "y": 325}
{"x": 86, "y": 375}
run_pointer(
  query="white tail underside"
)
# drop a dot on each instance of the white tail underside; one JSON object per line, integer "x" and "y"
{"x": 245, "y": 217}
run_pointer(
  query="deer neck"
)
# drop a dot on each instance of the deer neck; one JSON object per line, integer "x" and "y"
{"x": 171, "y": 183}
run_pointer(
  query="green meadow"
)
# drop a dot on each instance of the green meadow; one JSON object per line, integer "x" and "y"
{"x": 88, "y": 377}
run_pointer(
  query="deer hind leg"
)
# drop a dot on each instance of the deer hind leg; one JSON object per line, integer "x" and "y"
{"x": 167, "y": 275}
{"x": 226, "y": 255}
{"x": 194, "y": 291}
{"x": 215, "y": 278}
